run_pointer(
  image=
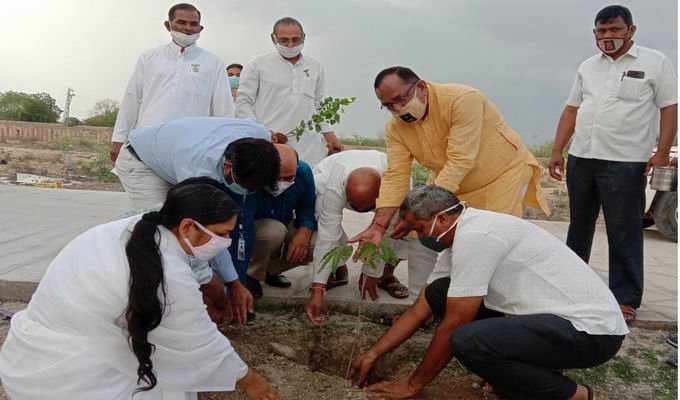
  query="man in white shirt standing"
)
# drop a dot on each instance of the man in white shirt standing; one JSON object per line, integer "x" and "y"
{"x": 175, "y": 80}
{"x": 285, "y": 87}
{"x": 621, "y": 100}
{"x": 351, "y": 181}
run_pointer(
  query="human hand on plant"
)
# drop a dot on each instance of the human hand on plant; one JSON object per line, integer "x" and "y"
{"x": 314, "y": 306}
{"x": 401, "y": 389}
{"x": 298, "y": 247}
{"x": 373, "y": 234}
{"x": 333, "y": 143}
{"x": 361, "y": 366}
{"x": 278, "y": 137}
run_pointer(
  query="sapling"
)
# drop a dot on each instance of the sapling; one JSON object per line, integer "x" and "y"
{"x": 329, "y": 112}
{"x": 370, "y": 254}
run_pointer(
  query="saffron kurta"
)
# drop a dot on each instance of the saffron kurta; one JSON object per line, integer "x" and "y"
{"x": 71, "y": 341}
{"x": 469, "y": 149}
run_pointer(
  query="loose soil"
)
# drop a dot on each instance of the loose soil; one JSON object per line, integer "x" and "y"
{"x": 317, "y": 364}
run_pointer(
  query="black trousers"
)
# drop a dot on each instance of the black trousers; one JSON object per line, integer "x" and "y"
{"x": 521, "y": 355}
{"x": 619, "y": 188}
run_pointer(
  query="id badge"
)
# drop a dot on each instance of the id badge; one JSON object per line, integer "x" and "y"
{"x": 241, "y": 251}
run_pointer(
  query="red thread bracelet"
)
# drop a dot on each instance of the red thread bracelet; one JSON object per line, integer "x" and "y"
{"x": 380, "y": 225}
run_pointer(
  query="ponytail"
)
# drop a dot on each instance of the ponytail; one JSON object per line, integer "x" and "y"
{"x": 144, "y": 310}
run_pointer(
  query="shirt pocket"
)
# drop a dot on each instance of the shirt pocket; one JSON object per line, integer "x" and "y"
{"x": 197, "y": 80}
{"x": 309, "y": 86}
{"x": 630, "y": 89}
{"x": 509, "y": 135}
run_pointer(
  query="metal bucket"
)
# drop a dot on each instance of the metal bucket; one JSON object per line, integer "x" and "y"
{"x": 664, "y": 179}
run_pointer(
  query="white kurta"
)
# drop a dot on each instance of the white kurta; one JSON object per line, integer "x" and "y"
{"x": 167, "y": 84}
{"x": 70, "y": 343}
{"x": 280, "y": 95}
{"x": 330, "y": 179}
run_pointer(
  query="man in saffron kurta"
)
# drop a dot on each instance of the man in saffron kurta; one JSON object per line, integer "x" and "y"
{"x": 460, "y": 136}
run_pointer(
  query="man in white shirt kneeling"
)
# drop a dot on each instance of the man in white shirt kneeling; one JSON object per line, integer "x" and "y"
{"x": 517, "y": 305}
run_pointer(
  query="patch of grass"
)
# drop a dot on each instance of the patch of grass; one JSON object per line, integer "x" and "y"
{"x": 419, "y": 174}
{"x": 542, "y": 150}
{"x": 99, "y": 167}
{"x": 666, "y": 379}
{"x": 591, "y": 376}
{"x": 356, "y": 140}
{"x": 624, "y": 368}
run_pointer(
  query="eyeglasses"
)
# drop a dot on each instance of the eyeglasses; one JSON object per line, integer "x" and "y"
{"x": 285, "y": 41}
{"x": 400, "y": 100}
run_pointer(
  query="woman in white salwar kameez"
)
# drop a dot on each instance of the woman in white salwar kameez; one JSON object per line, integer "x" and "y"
{"x": 119, "y": 313}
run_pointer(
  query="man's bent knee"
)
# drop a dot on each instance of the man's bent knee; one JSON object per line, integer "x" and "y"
{"x": 271, "y": 232}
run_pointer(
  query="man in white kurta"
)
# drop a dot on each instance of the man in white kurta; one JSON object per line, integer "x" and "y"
{"x": 285, "y": 87}
{"x": 330, "y": 177}
{"x": 70, "y": 342}
{"x": 172, "y": 81}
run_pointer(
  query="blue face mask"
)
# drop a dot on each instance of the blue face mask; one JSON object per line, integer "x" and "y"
{"x": 432, "y": 242}
{"x": 234, "y": 81}
{"x": 235, "y": 187}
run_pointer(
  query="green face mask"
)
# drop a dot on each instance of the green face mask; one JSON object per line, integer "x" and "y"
{"x": 234, "y": 81}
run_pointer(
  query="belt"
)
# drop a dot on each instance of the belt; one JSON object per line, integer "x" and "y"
{"x": 132, "y": 151}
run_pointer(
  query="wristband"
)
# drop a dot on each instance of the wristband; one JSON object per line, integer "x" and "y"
{"x": 375, "y": 222}
{"x": 323, "y": 289}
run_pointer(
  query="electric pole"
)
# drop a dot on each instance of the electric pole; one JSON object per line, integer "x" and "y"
{"x": 69, "y": 96}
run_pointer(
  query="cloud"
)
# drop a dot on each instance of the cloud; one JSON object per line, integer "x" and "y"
{"x": 523, "y": 53}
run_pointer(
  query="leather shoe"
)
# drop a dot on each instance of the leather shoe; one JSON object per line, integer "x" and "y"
{"x": 278, "y": 281}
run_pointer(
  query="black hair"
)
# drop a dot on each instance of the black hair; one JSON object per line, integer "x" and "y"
{"x": 287, "y": 21}
{"x": 406, "y": 74}
{"x": 255, "y": 163}
{"x": 205, "y": 203}
{"x": 611, "y": 13}
{"x": 235, "y": 65}
{"x": 182, "y": 6}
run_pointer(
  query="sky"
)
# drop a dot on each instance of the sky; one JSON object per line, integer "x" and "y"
{"x": 522, "y": 53}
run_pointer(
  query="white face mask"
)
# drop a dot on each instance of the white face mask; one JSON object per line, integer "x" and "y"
{"x": 611, "y": 45}
{"x": 281, "y": 187}
{"x": 289, "y": 52}
{"x": 211, "y": 249}
{"x": 183, "y": 40}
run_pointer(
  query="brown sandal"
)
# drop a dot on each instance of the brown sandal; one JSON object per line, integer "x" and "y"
{"x": 393, "y": 287}
{"x": 629, "y": 314}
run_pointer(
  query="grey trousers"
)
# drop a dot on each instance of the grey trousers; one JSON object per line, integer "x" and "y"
{"x": 270, "y": 249}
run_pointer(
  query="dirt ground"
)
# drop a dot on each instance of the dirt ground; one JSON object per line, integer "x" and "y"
{"x": 79, "y": 164}
{"x": 85, "y": 164}
{"x": 317, "y": 359}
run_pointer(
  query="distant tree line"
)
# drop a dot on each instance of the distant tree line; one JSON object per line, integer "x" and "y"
{"x": 41, "y": 107}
